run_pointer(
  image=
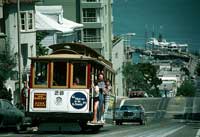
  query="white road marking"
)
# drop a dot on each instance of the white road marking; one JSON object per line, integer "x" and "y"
{"x": 158, "y": 132}
{"x": 172, "y": 131}
{"x": 6, "y": 135}
{"x": 116, "y": 132}
{"x": 198, "y": 133}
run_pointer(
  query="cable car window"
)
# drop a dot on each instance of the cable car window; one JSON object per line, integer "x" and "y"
{"x": 79, "y": 74}
{"x": 59, "y": 74}
{"x": 41, "y": 73}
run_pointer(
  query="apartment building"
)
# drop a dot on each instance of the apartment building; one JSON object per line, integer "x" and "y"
{"x": 96, "y": 16}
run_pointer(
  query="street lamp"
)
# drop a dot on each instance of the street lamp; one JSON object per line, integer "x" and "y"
{"x": 127, "y": 42}
{"x": 19, "y": 45}
{"x": 127, "y": 38}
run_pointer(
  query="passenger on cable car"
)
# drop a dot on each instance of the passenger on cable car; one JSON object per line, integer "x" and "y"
{"x": 76, "y": 81}
{"x": 101, "y": 84}
{"x": 106, "y": 93}
{"x": 41, "y": 79}
{"x": 96, "y": 102}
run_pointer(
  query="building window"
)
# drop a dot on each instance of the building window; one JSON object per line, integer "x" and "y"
{"x": 92, "y": 35}
{"x": 30, "y": 21}
{"x": 116, "y": 55}
{"x": 106, "y": 12}
{"x": 27, "y": 20}
{"x": 24, "y": 52}
{"x": 23, "y": 21}
{"x": 90, "y": 15}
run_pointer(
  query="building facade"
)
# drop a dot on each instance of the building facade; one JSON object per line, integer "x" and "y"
{"x": 96, "y": 16}
{"x": 119, "y": 56}
{"x": 27, "y": 40}
{"x": 2, "y": 30}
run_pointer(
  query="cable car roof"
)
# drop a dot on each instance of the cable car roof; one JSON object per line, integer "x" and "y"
{"x": 76, "y": 48}
{"x": 74, "y": 51}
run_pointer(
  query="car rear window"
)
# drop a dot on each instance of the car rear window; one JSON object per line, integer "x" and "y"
{"x": 130, "y": 108}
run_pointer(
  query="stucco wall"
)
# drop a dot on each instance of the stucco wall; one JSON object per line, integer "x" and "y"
{"x": 117, "y": 60}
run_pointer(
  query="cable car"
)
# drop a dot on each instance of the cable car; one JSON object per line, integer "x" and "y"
{"x": 61, "y": 85}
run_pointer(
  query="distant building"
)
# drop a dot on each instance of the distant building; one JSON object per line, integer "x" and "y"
{"x": 171, "y": 77}
{"x": 96, "y": 16}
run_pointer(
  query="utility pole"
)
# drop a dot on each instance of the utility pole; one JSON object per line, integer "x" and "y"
{"x": 153, "y": 36}
{"x": 146, "y": 36}
{"x": 19, "y": 46}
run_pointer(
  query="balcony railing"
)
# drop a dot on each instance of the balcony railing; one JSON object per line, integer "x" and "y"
{"x": 92, "y": 39}
{"x": 91, "y": 0}
{"x": 89, "y": 19}
{"x": 21, "y": 1}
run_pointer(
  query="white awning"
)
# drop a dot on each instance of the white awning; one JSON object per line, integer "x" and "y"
{"x": 43, "y": 22}
{"x": 72, "y": 25}
{"x": 51, "y": 18}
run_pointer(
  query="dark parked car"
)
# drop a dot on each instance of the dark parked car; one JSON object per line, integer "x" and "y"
{"x": 130, "y": 113}
{"x": 10, "y": 116}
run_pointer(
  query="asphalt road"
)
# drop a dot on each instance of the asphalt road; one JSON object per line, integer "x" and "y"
{"x": 166, "y": 128}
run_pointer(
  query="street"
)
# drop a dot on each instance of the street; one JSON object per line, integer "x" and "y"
{"x": 164, "y": 128}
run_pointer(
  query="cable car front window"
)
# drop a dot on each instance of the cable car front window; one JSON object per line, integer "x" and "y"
{"x": 59, "y": 74}
{"x": 41, "y": 73}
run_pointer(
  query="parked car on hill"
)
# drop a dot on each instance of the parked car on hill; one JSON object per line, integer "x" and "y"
{"x": 137, "y": 94}
{"x": 10, "y": 116}
{"x": 130, "y": 113}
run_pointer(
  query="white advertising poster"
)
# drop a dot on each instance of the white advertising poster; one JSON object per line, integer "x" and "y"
{"x": 78, "y": 101}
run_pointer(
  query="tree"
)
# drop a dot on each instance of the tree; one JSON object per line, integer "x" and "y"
{"x": 185, "y": 70}
{"x": 142, "y": 77}
{"x": 150, "y": 75}
{"x": 197, "y": 69}
{"x": 186, "y": 89}
{"x": 41, "y": 50}
{"x": 116, "y": 38}
{"x": 7, "y": 63}
{"x": 134, "y": 78}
